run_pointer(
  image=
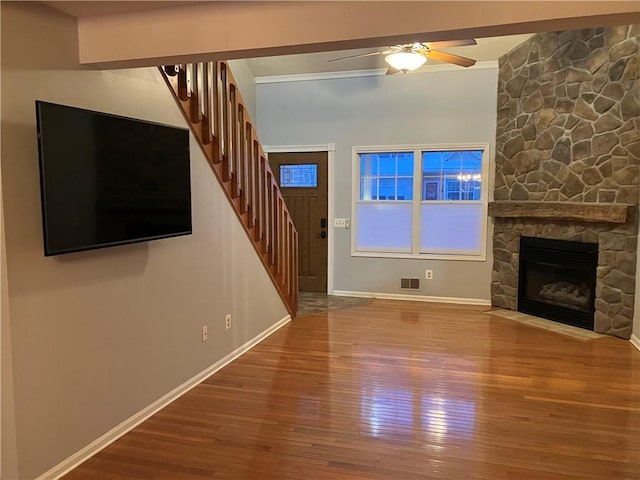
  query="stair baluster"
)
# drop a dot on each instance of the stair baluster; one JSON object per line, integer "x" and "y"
{"x": 213, "y": 107}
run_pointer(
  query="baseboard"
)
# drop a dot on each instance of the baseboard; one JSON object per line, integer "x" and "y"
{"x": 414, "y": 298}
{"x": 635, "y": 341}
{"x": 129, "y": 424}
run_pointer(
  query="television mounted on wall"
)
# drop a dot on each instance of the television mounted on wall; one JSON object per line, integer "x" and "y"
{"x": 108, "y": 180}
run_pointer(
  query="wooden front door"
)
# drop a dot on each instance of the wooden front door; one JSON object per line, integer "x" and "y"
{"x": 302, "y": 178}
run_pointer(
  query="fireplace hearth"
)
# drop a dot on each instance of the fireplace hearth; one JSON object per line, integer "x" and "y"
{"x": 557, "y": 280}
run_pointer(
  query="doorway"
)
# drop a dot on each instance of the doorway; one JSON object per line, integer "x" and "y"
{"x": 303, "y": 181}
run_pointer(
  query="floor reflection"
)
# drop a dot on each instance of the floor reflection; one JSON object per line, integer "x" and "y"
{"x": 414, "y": 415}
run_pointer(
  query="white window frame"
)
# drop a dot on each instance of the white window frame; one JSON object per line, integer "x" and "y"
{"x": 417, "y": 199}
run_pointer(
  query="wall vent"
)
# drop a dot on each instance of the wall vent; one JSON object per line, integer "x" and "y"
{"x": 410, "y": 283}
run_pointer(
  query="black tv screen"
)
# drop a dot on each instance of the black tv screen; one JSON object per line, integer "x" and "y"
{"x": 109, "y": 180}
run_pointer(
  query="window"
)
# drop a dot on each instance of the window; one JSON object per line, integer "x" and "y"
{"x": 386, "y": 176}
{"x": 386, "y": 199}
{"x": 422, "y": 202}
{"x": 455, "y": 175}
{"x": 305, "y": 176}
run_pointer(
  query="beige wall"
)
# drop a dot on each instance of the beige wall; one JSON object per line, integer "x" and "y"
{"x": 8, "y": 458}
{"x": 97, "y": 336}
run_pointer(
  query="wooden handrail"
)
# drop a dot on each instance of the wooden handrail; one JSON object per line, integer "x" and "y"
{"x": 218, "y": 118}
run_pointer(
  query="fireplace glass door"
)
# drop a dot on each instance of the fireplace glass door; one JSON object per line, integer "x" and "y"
{"x": 557, "y": 280}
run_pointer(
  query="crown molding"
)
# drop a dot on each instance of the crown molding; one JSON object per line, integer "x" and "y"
{"x": 448, "y": 67}
{"x": 302, "y": 77}
{"x": 377, "y": 72}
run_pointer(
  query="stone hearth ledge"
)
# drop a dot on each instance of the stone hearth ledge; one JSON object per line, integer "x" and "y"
{"x": 585, "y": 212}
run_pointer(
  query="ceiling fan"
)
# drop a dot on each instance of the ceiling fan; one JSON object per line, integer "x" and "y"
{"x": 403, "y": 58}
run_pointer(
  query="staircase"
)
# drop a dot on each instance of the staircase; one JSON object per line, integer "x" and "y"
{"x": 212, "y": 105}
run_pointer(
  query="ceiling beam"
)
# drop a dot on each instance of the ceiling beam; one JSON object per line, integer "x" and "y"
{"x": 224, "y": 30}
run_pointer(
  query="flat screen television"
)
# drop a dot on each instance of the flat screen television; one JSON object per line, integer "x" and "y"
{"x": 108, "y": 180}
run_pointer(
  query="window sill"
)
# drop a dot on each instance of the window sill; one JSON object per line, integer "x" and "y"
{"x": 423, "y": 256}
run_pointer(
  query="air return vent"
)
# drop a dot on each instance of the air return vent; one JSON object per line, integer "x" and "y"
{"x": 410, "y": 283}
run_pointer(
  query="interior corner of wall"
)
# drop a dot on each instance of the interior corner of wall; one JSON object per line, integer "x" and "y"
{"x": 8, "y": 447}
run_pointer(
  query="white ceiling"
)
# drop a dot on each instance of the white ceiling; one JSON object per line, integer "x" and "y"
{"x": 487, "y": 49}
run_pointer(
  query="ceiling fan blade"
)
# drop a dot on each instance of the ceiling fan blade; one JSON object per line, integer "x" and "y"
{"x": 359, "y": 55}
{"x": 450, "y": 43}
{"x": 450, "y": 58}
{"x": 392, "y": 71}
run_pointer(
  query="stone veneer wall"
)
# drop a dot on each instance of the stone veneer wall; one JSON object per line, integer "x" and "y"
{"x": 569, "y": 130}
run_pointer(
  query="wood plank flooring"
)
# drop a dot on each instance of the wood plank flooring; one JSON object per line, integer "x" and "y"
{"x": 399, "y": 390}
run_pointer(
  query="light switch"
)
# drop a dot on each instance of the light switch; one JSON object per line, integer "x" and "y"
{"x": 341, "y": 222}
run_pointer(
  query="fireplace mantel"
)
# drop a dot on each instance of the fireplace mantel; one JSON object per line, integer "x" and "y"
{"x": 585, "y": 212}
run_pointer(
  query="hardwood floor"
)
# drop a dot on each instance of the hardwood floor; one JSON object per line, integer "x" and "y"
{"x": 399, "y": 390}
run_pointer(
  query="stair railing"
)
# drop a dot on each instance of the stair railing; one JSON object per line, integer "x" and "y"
{"x": 218, "y": 118}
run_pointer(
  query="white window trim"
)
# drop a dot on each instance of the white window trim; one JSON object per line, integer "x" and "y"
{"x": 417, "y": 150}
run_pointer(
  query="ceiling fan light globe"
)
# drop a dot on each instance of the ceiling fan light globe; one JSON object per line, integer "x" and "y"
{"x": 405, "y": 60}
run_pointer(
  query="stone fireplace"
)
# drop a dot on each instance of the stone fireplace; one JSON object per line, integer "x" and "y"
{"x": 567, "y": 156}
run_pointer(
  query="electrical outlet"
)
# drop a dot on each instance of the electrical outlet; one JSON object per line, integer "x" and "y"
{"x": 428, "y": 274}
{"x": 205, "y": 333}
{"x": 227, "y": 321}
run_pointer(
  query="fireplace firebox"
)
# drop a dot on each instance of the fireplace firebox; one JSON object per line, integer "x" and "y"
{"x": 557, "y": 280}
